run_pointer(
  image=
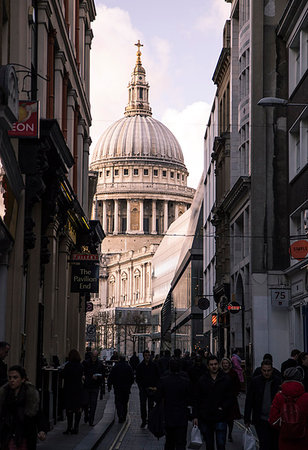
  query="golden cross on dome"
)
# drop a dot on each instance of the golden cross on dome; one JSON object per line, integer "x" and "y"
{"x": 139, "y": 52}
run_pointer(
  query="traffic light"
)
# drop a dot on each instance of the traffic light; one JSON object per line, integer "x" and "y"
{"x": 214, "y": 320}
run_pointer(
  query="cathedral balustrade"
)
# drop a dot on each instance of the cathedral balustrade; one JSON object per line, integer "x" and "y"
{"x": 143, "y": 188}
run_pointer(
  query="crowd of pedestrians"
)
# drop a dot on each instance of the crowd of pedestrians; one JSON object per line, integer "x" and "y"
{"x": 178, "y": 387}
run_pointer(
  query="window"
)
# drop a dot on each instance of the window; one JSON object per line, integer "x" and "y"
{"x": 164, "y": 173}
{"x": 125, "y": 172}
{"x": 136, "y": 171}
{"x": 298, "y": 147}
{"x": 155, "y": 173}
{"x": 178, "y": 176}
{"x": 182, "y": 177}
{"x": 116, "y": 172}
{"x": 171, "y": 174}
{"x": 145, "y": 171}
{"x": 107, "y": 173}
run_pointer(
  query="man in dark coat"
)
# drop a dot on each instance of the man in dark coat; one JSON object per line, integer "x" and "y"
{"x": 147, "y": 378}
{"x": 4, "y": 350}
{"x": 163, "y": 362}
{"x": 290, "y": 362}
{"x": 94, "y": 373}
{"x": 213, "y": 400}
{"x": 121, "y": 378}
{"x": 260, "y": 395}
{"x": 175, "y": 391}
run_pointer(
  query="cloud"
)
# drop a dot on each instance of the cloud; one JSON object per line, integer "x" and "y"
{"x": 188, "y": 126}
{"x": 113, "y": 56}
{"x": 214, "y": 17}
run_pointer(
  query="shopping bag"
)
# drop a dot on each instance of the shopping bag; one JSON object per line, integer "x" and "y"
{"x": 157, "y": 420}
{"x": 195, "y": 438}
{"x": 249, "y": 440}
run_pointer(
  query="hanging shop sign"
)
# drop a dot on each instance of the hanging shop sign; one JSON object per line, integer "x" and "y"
{"x": 203, "y": 303}
{"x": 27, "y": 125}
{"x": 85, "y": 278}
{"x": 89, "y": 306}
{"x": 299, "y": 249}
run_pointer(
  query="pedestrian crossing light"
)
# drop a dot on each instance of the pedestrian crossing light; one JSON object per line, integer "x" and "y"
{"x": 214, "y": 320}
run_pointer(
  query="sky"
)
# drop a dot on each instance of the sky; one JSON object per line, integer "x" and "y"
{"x": 182, "y": 41}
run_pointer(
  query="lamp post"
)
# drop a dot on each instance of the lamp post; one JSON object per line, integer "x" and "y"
{"x": 276, "y": 101}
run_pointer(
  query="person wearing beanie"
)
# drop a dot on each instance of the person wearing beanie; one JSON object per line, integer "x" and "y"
{"x": 291, "y": 387}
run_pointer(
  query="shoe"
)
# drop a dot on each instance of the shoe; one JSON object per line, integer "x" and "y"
{"x": 75, "y": 431}
{"x": 67, "y": 431}
{"x": 91, "y": 424}
{"x": 143, "y": 424}
{"x": 230, "y": 439}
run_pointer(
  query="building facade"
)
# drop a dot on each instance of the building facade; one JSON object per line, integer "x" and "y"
{"x": 45, "y": 209}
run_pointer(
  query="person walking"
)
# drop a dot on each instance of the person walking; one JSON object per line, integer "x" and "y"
{"x": 73, "y": 389}
{"x": 121, "y": 378}
{"x": 197, "y": 370}
{"x": 21, "y": 421}
{"x": 134, "y": 361}
{"x": 227, "y": 368}
{"x": 163, "y": 362}
{"x": 175, "y": 393}
{"x": 303, "y": 365}
{"x": 212, "y": 402}
{"x": 259, "y": 397}
{"x": 293, "y": 388}
{"x": 237, "y": 365}
{"x": 94, "y": 381}
{"x": 147, "y": 379}
{"x": 290, "y": 362}
{"x": 4, "y": 350}
{"x": 258, "y": 371}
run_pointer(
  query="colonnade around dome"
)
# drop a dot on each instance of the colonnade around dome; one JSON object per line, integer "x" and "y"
{"x": 138, "y": 216}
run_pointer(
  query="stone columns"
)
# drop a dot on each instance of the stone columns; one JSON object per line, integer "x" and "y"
{"x": 128, "y": 230}
{"x": 141, "y": 217}
{"x": 104, "y": 216}
{"x": 165, "y": 216}
{"x": 176, "y": 211}
{"x": 154, "y": 231}
{"x": 116, "y": 217}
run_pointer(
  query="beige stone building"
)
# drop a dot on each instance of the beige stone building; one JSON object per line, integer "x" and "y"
{"x": 141, "y": 190}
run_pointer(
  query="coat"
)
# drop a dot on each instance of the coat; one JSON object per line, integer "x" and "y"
{"x": 91, "y": 368}
{"x": 213, "y": 399}
{"x": 293, "y": 389}
{"x": 73, "y": 387}
{"x": 175, "y": 392}
{"x": 147, "y": 375}
{"x": 121, "y": 376}
{"x": 254, "y": 397}
{"x": 20, "y": 416}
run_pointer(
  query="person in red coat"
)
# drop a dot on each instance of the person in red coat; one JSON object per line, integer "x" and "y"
{"x": 292, "y": 387}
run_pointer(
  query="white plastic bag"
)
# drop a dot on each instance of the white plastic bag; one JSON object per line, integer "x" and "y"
{"x": 195, "y": 438}
{"x": 249, "y": 440}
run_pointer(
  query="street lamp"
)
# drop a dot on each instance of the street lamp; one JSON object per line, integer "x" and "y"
{"x": 276, "y": 101}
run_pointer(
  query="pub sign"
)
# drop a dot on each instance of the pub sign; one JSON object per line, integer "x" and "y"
{"x": 85, "y": 278}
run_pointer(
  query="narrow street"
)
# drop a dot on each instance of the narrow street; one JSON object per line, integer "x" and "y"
{"x": 129, "y": 436}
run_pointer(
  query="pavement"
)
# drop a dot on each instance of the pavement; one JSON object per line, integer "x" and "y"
{"x": 108, "y": 434}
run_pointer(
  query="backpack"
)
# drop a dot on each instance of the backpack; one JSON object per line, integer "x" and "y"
{"x": 293, "y": 425}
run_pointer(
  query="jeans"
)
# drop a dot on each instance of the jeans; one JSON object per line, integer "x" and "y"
{"x": 211, "y": 429}
{"x": 268, "y": 436}
{"x": 91, "y": 403}
{"x": 144, "y": 399}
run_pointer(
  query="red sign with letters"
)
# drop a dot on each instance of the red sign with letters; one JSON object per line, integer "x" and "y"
{"x": 28, "y": 120}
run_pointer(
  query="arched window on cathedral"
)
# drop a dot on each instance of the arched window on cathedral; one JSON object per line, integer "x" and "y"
{"x": 111, "y": 297}
{"x": 124, "y": 288}
{"x": 137, "y": 280}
